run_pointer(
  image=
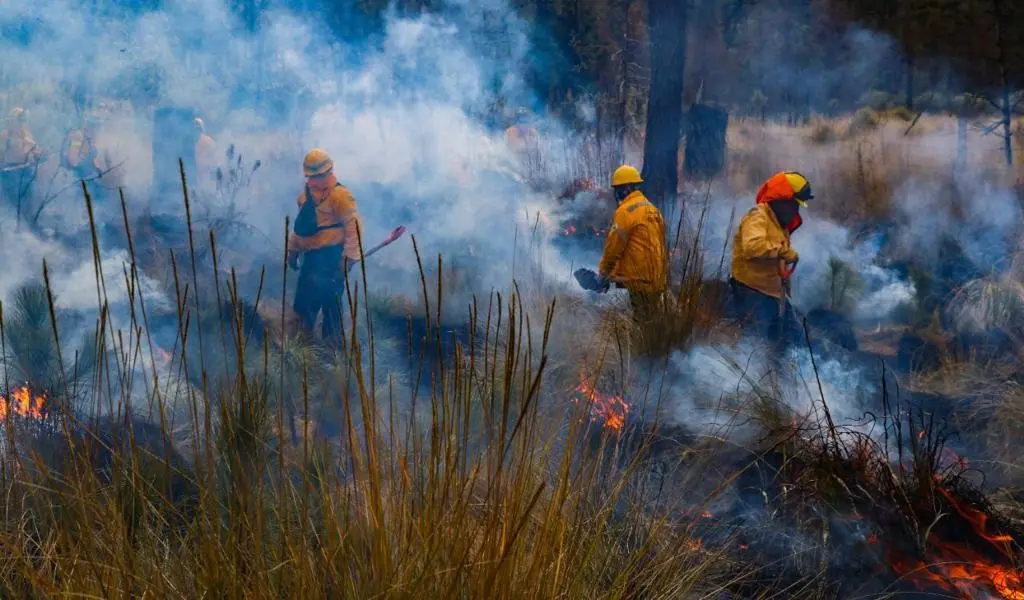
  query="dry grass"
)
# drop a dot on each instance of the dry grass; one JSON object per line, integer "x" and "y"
{"x": 472, "y": 489}
{"x": 857, "y": 162}
{"x": 470, "y": 479}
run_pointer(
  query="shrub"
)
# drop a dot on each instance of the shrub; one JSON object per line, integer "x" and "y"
{"x": 822, "y": 133}
{"x": 932, "y": 102}
{"x": 843, "y": 286}
{"x": 864, "y": 120}
{"x": 901, "y": 113}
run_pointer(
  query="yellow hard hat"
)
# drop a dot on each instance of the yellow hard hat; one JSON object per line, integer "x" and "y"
{"x": 626, "y": 175}
{"x": 17, "y": 113}
{"x": 317, "y": 162}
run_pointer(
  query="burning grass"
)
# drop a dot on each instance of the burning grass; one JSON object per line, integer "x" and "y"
{"x": 480, "y": 466}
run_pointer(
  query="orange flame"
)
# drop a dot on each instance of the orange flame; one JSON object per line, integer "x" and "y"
{"x": 612, "y": 409}
{"x": 569, "y": 230}
{"x": 956, "y": 568}
{"x": 23, "y": 403}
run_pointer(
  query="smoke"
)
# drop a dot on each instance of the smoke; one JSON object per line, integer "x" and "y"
{"x": 399, "y": 112}
{"x": 728, "y": 389}
{"x": 820, "y": 242}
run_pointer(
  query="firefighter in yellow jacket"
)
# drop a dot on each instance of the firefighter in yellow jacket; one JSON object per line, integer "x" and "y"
{"x": 326, "y": 237}
{"x": 763, "y": 258}
{"x": 19, "y": 157}
{"x": 634, "y": 255}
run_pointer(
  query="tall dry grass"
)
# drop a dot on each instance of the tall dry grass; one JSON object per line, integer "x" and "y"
{"x": 469, "y": 485}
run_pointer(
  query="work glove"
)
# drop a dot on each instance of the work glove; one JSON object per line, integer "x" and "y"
{"x": 790, "y": 256}
{"x": 293, "y": 260}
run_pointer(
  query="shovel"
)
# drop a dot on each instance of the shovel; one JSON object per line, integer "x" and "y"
{"x": 590, "y": 281}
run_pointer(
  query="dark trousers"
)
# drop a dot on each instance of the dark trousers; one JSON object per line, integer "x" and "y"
{"x": 647, "y": 306}
{"x": 321, "y": 288}
{"x": 761, "y": 312}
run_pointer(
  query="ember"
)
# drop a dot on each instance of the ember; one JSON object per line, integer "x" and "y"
{"x": 956, "y": 568}
{"x": 612, "y": 409}
{"x": 23, "y": 403}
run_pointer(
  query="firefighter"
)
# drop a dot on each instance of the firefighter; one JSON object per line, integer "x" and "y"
{"x": 19, "y": 157}
{"x": 763, "y": 259}
{"x": 206, "y": 156}
{"x": 81, "y": 155}
{"x": 326, "y": 236}
{"x": 635, "y": 256}
{"x": 521, "y": 137}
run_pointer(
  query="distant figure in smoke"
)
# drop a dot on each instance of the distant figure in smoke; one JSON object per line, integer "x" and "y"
{"x": 763, "y": 259}
{"x": 19, "y": 157}
{"x": 326, "y": 237}
{"x": 634, "y": 255}
{"x": 521, "y": 137}
{"x": 206, "y": 158}
{"x": 81, "y": 156}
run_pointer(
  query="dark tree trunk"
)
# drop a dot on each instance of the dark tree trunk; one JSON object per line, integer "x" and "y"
{"x": 1004, "y": 81}
{"x": 666, "y": 21}
{"x": 908, "y": 66}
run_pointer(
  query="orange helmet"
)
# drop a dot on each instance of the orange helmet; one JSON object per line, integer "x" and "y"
{"x": 787, "y": 185}
{"x": 317, "y": 162}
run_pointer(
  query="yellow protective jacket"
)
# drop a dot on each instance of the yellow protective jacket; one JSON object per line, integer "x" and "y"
{"x": 634, "y": 251}
{"x": 18, "y": 148}
{"x": 336, "y": 206}
{"x": 756, "y": 249}
{"x": 80, "y": 148}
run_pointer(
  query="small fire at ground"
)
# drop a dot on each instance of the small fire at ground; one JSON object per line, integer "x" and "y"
{"x": 22, "y": 402}
{"x": 584, "y": 231}
{"x": 958, "y": 569}
{"x": 609, "y": 409}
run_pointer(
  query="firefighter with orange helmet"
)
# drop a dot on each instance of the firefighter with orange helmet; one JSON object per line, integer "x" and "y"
{"x": 326, "y": 237}
{"x": 763, "y": 258}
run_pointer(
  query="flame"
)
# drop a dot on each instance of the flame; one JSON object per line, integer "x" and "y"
{"x": 955, "y": 567}
{"x": 569, "y": 230}
{"x": 23, "y": 403}
{"x": 612, "y": 409}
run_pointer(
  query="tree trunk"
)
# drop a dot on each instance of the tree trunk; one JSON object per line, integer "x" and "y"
{"x": 1007, "y": 126}
{"x": 909, "y": 82}
{"x": 1004, "y": 80}
{"x": 666, "y": 21}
